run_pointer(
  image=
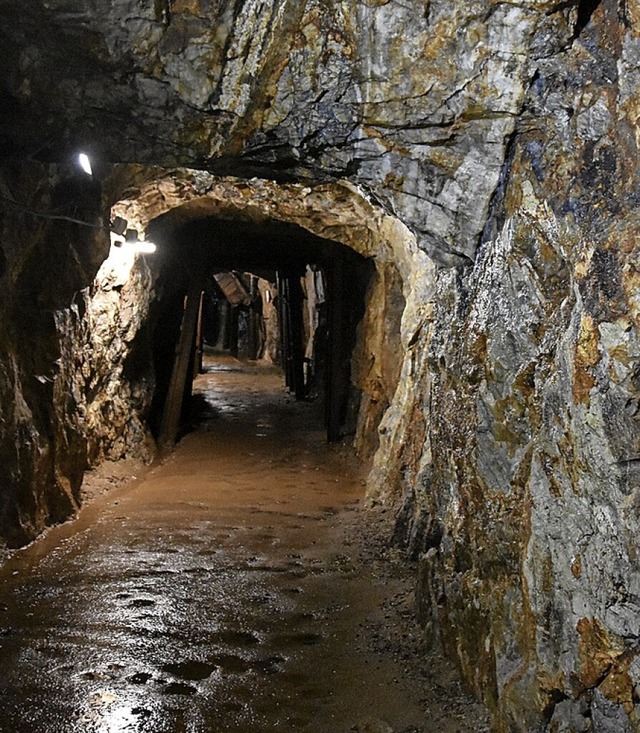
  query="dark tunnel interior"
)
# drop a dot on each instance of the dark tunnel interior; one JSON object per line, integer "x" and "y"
{"x": 266, "y": 290}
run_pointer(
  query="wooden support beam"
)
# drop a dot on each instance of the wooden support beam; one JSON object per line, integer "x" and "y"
{"x": 334, "y": 386}
{"x": 234, "y": 317}
{"x": 224, "y": 314}
{"x": 296, "y": 302}
{"x": 180, "y": 374}
{"x": 282, "y": 284}
{"x": 290, "y": 301}
{"x": 199, "y": 341}
{"x": 253, "y": 336}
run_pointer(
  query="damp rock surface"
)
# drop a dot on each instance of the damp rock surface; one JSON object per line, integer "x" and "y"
{"x": 414, "y": 101}
{"x": 75, "y": 378}
{"x": 521, "y": 488}
{"x": 237, "y": 586}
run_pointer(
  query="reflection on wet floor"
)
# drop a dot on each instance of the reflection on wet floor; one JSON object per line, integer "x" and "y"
{"x": 219, "y": 593}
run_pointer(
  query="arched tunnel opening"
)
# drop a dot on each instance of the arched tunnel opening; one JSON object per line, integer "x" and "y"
{"x": 269, "y": 291}
{"x": 204, "y": 596}
{"x": 316, "y": 281}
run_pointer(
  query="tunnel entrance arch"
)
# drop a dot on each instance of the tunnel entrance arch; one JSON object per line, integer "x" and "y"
{"x": 164, "y": 203}
{"x": 317, "y": 289}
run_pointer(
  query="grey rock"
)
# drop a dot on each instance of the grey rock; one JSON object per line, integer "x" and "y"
{"x": 609, "y": 717}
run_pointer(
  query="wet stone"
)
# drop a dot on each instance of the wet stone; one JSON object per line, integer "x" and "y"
{"x": 94, "y": 676}
{"x": 140, "y": 678}
{"x": 237, "y": 638}
{"x": 179, "y": 688}
{"x": 269, "y": 665}
{"x": 304, "y": 639}
{"x": 142, "y": 603}
{"x": 294, "y": 591}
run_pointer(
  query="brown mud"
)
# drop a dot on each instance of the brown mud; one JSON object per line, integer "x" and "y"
{"x": 237, "y": 586}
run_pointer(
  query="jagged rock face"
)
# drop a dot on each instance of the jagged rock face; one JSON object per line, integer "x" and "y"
{"x": 117, "y": 377}
{"x": 45, "y": 262}
{"x": 67, "y": 387}
{"x": 525, "y": 510}
{"x": 413, "y": 101}
{"x": 499, "y": 136}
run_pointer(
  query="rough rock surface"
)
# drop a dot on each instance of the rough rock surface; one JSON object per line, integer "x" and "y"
{"x": 71, "y": 393}
{"x": 494, "y": 145}
{"x": 415, "y": 102}
{"x": 524, "y": 506}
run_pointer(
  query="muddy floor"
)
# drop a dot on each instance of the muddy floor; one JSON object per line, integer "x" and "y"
{"x": 235, "y": 587}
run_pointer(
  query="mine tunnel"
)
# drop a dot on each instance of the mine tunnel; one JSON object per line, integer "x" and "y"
{"x": 202, "y": 594}
{"x": 319, "y": 366}
{"x": 271, "y": 290}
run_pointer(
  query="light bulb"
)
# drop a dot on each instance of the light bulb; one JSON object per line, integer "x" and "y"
{"x": 85, "y": 163}
{"x": 143, "y": 247}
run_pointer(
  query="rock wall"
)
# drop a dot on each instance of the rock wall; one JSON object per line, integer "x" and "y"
{"x": 378, "y": 356}
{"x": 117, "y": 377}
{"x": 524, "y": 512}
{"x": 72, "y": 389}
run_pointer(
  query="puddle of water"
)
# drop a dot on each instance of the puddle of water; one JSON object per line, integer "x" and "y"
{"x": 191, "y": 670}
{"x": 179, "y": 688}
{"x": 236, "y": 638}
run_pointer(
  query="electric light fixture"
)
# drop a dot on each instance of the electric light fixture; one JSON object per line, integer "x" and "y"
{"x": 85, "y": 163}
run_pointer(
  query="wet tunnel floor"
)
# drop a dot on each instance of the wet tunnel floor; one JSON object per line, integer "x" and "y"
{"x": 230, "y": 589}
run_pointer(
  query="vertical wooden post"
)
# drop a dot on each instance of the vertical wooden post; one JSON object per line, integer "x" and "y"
{"x": 284, "y": 320}
{"x": 224, "y": 313}
{"x": 252, "y": 323}
{"x": 233, "y": 331}
{"x": 290, "y": 302}
{"x": 334, "y": 387}
{"x": 180, "y": 374}
{"x": 296, "y": 301}
{"x": 199, "y": 339}
{"x": 220, "y": 324}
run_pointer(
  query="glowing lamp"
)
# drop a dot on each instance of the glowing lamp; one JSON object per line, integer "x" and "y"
{"x": 85, "y": 163}
{"x": 143, "y": 247}
{"x": 134, "y": 244}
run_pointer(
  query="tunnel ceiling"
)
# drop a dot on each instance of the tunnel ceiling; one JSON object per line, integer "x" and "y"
{"x": 309, "y": 91}
{"x": 230, "y": 245}
{"x": 162, "y": 201}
